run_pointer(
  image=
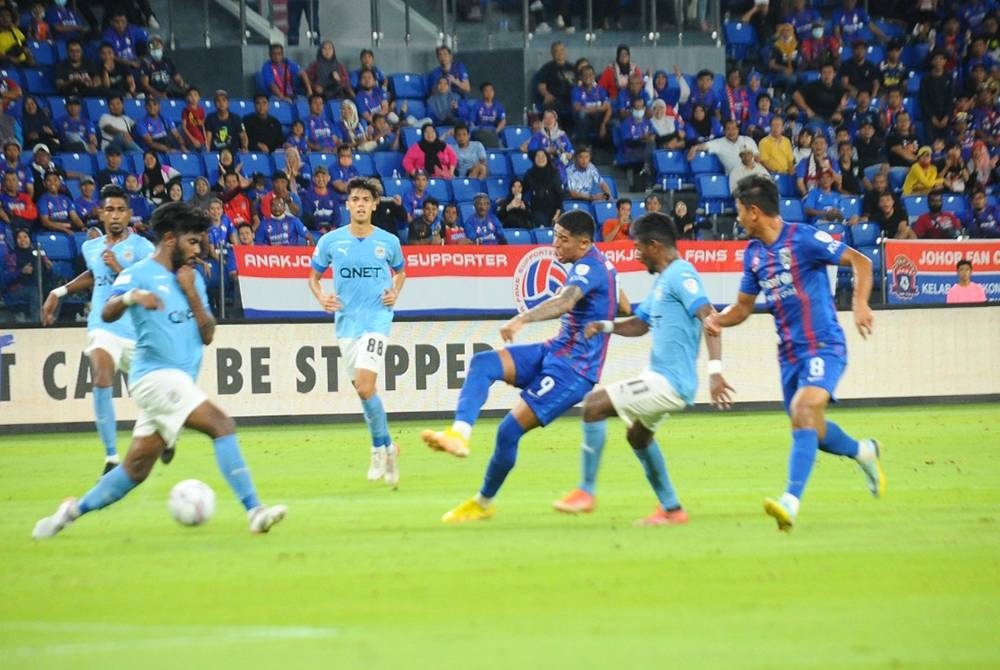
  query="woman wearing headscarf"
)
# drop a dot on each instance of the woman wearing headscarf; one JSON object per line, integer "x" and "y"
{"x": 668, "y": 125}
{"x": 981, "y": 167}
{"x": 514, "y": 211}
{"x": 36, "y": 126}
{"x": 615, "y": 75}
{"x": 543, "y": 189}
{"x": 203, "y": 195}
{"x": 156, "y": 178}
{"x": 328, "y": 75}
{"x": 431, "y": 155}
{"x": 351, "y": 129}
{"x": 701, "y": 127}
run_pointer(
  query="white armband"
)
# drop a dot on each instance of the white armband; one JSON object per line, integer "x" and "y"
{"x": 59, "y": 291}
{"x": 607, "y": 326}
{"x": 715, "y": 367}
{"x": 128, "y": 297}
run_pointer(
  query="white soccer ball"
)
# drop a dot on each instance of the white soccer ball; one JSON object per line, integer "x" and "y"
{"x": 192, "y": 502}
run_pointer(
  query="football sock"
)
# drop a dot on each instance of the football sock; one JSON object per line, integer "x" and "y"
{"x": 378, "y": 422}
{"x": 504, "y": 456}
{"x": 838, "y": 442}
{"x": 790, "y": 502}
{"x": 234, "y": 469}
{"x": 655, "y": 467}
{"x": 110, "y": 488}
{"x": 800, "y": 461}
{"x": 484, "y": 369}
{"x": 595, "y": 434}
{"x": 104, "y": 412}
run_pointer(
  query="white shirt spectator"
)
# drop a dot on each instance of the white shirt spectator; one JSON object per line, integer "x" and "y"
{"x": 728, "y": 151}
{"x": 473, "y": 154}
{"x": 122, "y": 123}
{"x": 583, "y": 180}
{"x": 741, "y": 171}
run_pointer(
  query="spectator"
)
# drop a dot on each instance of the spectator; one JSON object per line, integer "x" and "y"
{"x": 638, "y": 140}
{"x": 543, "y": 190}
{"x": 591, "y": 109}
{"x": 859, "y": 74}
{"x": 454, "y": 73}
{"x": 443, "y": 104}
{"x": 279, "y": 191}
{"x": 954, "y": 174}
{"x": 513, "y": 210}
{"x": 426, "y": 229}
{"x": 64, "y": 22}
{"x": 616, "y": 75}
{"x": 320, "y": 204}
{"x": 17, "y": 275}
{"x": 36, "y": 126}
{"x": 818, "y": 49}
{"x": 482, "y": 226}
{"x": 75, "y": 75}
{"x": 923, "y": 176}
{"x": 430, "y": 155}
{"x": 617, "y": 229}
{"x": 12, "y": 42}
{"x": 822, "y": 203}
{"x": 156, "y": 178}
{"x": 902, "y": 143}
{"x": 583, "y": 181}
{"x": 158, "y": 76}
{"x": 193, "y": 121}
{"x": 982, "y": 167}
{"x": 764, "y": 20}
{"x": 851, "y": 20}
{"x": 966, "y": 290}
{"x": 631, "y": 92}
{"x": 863, "y": 111}
{"x": 279, "y": 76}
{"x": 892, "y": 219}
{"x": 736, "y": 99}
{"x": 17, "y": 209}
{"x": 985, "y": 221}
{"x": 128, "y": 42}
{"x": 87, "y": 204}
{"x": 962, "y": 132}
{"x": 802, "y": 19}
{"x": 701, "y": 127}
{"x": 869, "y": 148}
{"x": 667, "y": 125}
{"x": 244, "y": 235}
{"x": 371, "y": 98}
{"x": 413, "y": 200}
{"x": 75, "y": 133}
{"x": 235, "y": 202}
{"x": 893, "y": 73}
{"x": 823, "y": 99}
{"x": 552, "y": 139}
{"x": 202, "y": 196}
{"x": 34, "y": 25}
{"x": 851, "y": 174}
{"x": 808, "y": 170}
{"x": 140, "y": 206}
{"x": 390, "y": 216}
{"x": 296, "y": 138}
{"x": 367, "y": 58}
{"x": 12, "y": 163}
{"x": 727, "y": 148}
{"x": 328, "y": 75}
{"x": 688, "y": 227}
{"x": 382, "y": 134}
{"x": 227, "y": 163}
{"x": 278, "y": 228}
{"x": 263, "y": 131}
{"x": 936, "y": 96}
{"x": 224, "y": 130}
{"x": 985, "y": 117}
{"x": 117, "y": 128}
{"x": 320, "y": 135}
{"x": 41, "y": 167}
{"x": 342, "y": 173}
{"x": 487, "y": 117}
{"x": 776, "y": 149}
{"x": 749, "y": 164}
{"x": 299, "y": 174}
{"x": 703, "y": 95}
{"x": 556, "y": 80}
{"x": 55, "y": 210}
{"x": 113, "y": 173}
{"x": 156, "y": 132}
{"x": 784, "y": 58}
{"x": 351, "y": 131}
{"x": 451, "y": 230}
{"x": 756, "y": 127}
{"x": 660, "y": 87}
{"x": 471, "y": 154}
{"x": 935, "y": 223}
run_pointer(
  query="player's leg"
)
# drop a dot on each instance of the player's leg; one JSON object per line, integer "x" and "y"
{"x": 104, "y": 351}
{"x": 597, "y": 407}
{"x": 368, "y": 354}
{"x": 865, "y": 452}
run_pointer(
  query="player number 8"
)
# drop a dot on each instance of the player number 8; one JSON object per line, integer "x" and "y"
{"x": 817, "y": 367}
{"x": 375, "y": 346}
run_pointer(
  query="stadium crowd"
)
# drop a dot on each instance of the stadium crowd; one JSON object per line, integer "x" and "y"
{"x": 871, "y": 129}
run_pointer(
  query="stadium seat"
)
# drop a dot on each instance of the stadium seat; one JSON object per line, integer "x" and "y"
{"x": 415, "y": 107}
{"x": 364, "y": 164}
{"x": 865, "y": 235}
{"x": 302, "y": 108}
{"x": 612, "y": 184}
{"x": 835, "y": 229}
{"x": 94, "y": 108}
{"x": 956, "y": 204}
{"x": 786, "y": 185}
{"x": 134, "y": 108}
{"x": 57, "y": 246}
{"x": 283, "y": 111}
{"x": 577, "y": 205}
{"x": 544, "y": 235}
{"x": 638, "y": 208}
{"x": 317, "y": 158}
{"x": 872, "y": 170}
{"x": 256, "y": 162}
{"x": 518, "y": 236}
{"x": 13, "y": 74}
{"x": 333, "y": 110}
{"x": 915, "y": 205}
{"x": 519, "y": 163}
{"x": 39, "y": 81}
{"x": 387, "y": 162}
{"x": 407, "y": 85}
{"x": 850, "y": 206}
{"x": 897, "y": 175}
{"x": 44, "y": 53}
{"x": 714, "y": 192}
{"x": 874, "y": 254}
{"x": 497, "y": 164}
{"x": 131, "y": 161}
{"x": 171, "y": 109}
{"x": 410, "y": 137}
{"x": 57, "y": 107}
{"x": 706, "y": 163}
{"x": 514, "y": 136}
{"x": 74, "y": 162}
{"x": 465, "y": 210}
{"x": 465, "y": 189}
{"x": 440, "y": 189}
{"x": 603, "y": 211}
{"x": 791, "y": 210}
{"x": 188, "y": 164}
{"x": 73, "y": 186}
{"x": 914, "y": 56}
{"x": 240, "y": 106}
{"x": 393, "y": 187}
{"x": 672, "y": 169}
{"x": 79, "y": 238}
{"x": 741, "y": 40}
{"x": 913, "y": 84}
{"x": 496, "y": 187}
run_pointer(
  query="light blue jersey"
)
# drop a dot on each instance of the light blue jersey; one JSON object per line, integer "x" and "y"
{"x": 670, "y": 312}
{"x": 129, "y": 251}
{"x": 361, "y": 274}
{"x": 167, "y": 338}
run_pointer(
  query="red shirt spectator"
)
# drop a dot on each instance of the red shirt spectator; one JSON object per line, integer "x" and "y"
{"x": 936, "y": 224}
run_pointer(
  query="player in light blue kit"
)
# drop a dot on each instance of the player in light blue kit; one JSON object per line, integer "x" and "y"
{"x": 168, "y": 304}
{"x": 368, "y": 276}
{"x": 553, "y": 375}
{"x": 671, "y": 312}
{"x": 109, "y": 345}
{"x": 788, "y": 262}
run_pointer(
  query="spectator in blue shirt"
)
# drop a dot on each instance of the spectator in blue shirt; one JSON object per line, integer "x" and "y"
{"x": 367, "y": 58}
{"x": 850, "y": 20}
{"x": 279, "y": 75}
{"x": 129, "y": 42}
{"x": 320, "y": 203}
{"x": 75, "y": 132}
{"x": 320, "y": 135}
{"x": 156, "y": 132}
{"x": 370, "y": 98}
{"x": 591, "y": 108}
{"x": 823, "y": 203}
{"x": 487, "y": 117}
{"x": 453, "y": 72}
{"x": 282, "y": 229}
{"x": 55, "y": 210}
{"x": 482, "y": 226}
{"x": 802, "y": 19}
{"x": 87, "y": 205}
{"x": 64, "y": 22}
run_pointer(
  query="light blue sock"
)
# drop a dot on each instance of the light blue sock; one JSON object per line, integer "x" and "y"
{"x": 484, "y": 369}
{"x": 595, "y": 435}
{"x": 234, "y": 469}
{"x": 838, "y": 442}
{"x": 800, "y": 461}
{"x": 110, "y": 488}
{"x": 504, "y": 456}
{"x": 107, "y": 427}
{"x": 378, "y": 422}
{"x": 655, "y": 467}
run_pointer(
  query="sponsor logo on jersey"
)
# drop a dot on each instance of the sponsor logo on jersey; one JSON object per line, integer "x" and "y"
{"x": 538, "y": 277}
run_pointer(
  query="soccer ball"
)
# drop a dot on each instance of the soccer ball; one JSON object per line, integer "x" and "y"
{"x": 192, "y": 502}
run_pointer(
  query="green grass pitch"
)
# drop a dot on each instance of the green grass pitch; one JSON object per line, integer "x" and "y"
{"x": 359, "y": 576}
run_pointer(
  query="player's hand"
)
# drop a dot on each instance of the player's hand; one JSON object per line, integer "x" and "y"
{"x": 49, "y": 309}
{"x": 509, "y": 329}
{"x": 389, "y": 297}
{"x": 591, "y": 329}
{"x": 330, "y": 302}
{"x": 111, "y": 261}
{"x": 147, "y": 299}
{"x": 720, "y": 389}
{"x": 185, "y": 277}
{"x": 711, "y": 325}
{"x": 863, "y": 319}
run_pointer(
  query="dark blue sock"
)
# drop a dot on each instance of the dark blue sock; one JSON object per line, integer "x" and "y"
{"x": 484, "y": 369}
{"x": 800, "y": 461}
{"x": 595, "y": 435}
{"x": 234, "y": 469}
{"x": 655, "y": 467}
{"x": 838, "y": 442}
{"x": 110, "y": 488}
{"x": 504, "y": 456}
{"x": 378, "y": 422}
{"x": 104, "y": 413}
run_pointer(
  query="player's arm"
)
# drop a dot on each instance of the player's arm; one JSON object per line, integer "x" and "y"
{"x": 82, "y": 282}
{"x": 719, "y": 388}
{"x": 862, "y": 269}
{"x": 624, "y": 305}
{"x": 632, "y": 326}
{"x": 733, "y": 315}
{"x": 115, "y": 307}
{"x": 391, "y": 295}
{"x": 206, "y": 322}
{"x": 329, "y": 302}
{"x": 553, "y": 308}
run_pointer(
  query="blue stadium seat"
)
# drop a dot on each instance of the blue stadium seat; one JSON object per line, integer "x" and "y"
{"x": 79, "y": 238}
{"x": 317, "y": 158}
{"x": 897, "y": 175}
{"x": 44, "y": 53}
{"x": 407, "y": 85}
{"x": 94, "y": 108}
{"x": 333, "y": 110}
{"x": 714, "y": 192}
{"x": 135, "y": 108}
{"x": 850, "y": 206}
{"x": 865, "y": 235}
{"x": 464, "y": 189}
{"x": 914, "y": 56}
{"x": 913, "y": 84}
{"x": 13, "y": 74}
{"x": 188, "y": 164}
{"x": 57, "y": 246}
{"x": 786, "y": 185}
{"x": 519, "y": 163}
{"x": 612, "y": 184}
{"x": 835, "y": 229}
{"x": 872, "y": 170}
{"x": 256, "y": 162}
{"x": 411, "y": 136}
{"x": 302, "y": 108}
{"x": 387, "y": 162}
{"x": 171, "y": 109}
{"x": 874, "y": 254}
{"x": 39, "y": 81}
{"x": 544, "y": 235}
{"x": 497, "y": 164}
{"x": 518, "y": 236}
{"x": 791, "y": 210}
{"x": 393, "y": 187}
{"x": 465, "y": 210}
{"x": 132, "y": 161}
{"x": 73, "y": 186}
{"x": 283, "y": 111}
{"x": 672, "y": 169}
{"x": 956, "y": 204}
{"x": 514, "y": 136}
{"x": 741, "y": 39}
{"x": 638, "y": 208}
{"x": 603, "y": 211}
{"x": 57, "y": 107}
{"x": 241, "y": 106}
{"x": 915, "y": 205}
{"x": 415, "y": 107}
{"x": 74, "y": 162}
{"x": 496, "y": 187}
{"x": 440, "y": 189}
{"x": 364, "y": 164}
{"x": 706, "y": 163}
{"x": 577, "y": 205}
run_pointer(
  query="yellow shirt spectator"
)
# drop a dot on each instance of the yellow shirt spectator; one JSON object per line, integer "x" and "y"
{"x": 923, "y": 176}
{"x": 12, "y": 49}
{"x": 776, "y": 153}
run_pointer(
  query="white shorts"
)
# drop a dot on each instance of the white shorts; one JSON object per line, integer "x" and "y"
{"x": 166, "y": 399}
{"x": 648, "y": 399}
{"x": 366, "y": 353}
{"x": 119, "y": 348}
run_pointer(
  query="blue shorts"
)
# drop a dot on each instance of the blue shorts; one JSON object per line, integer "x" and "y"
{"x": 824, "y": 369}
{"x": 548, "y": 385}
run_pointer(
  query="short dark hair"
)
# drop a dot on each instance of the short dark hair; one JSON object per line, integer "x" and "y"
{"x": 485, "y": 84}
{"x": 178, "y": 218}
{"x": 368, "y": 52}
{"x": 341, "y": 149}
{"x": 461, "y": 125}
{"x": 258, "y": 96}
{"x": 431, "y": 200}
{"x": 113, "y": 191}
{"x": 578, "y": 224}
{"x": 964, "y": 261}
{"x": 760, "y": 191}
{"x": 655, "y": 226}
{"x": 315, "y": 95}
{"x": 366, "y": 184}
{"x": 622, "y": 201}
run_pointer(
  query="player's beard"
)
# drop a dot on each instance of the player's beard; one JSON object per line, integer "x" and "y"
{"x": 177, "y": 258}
